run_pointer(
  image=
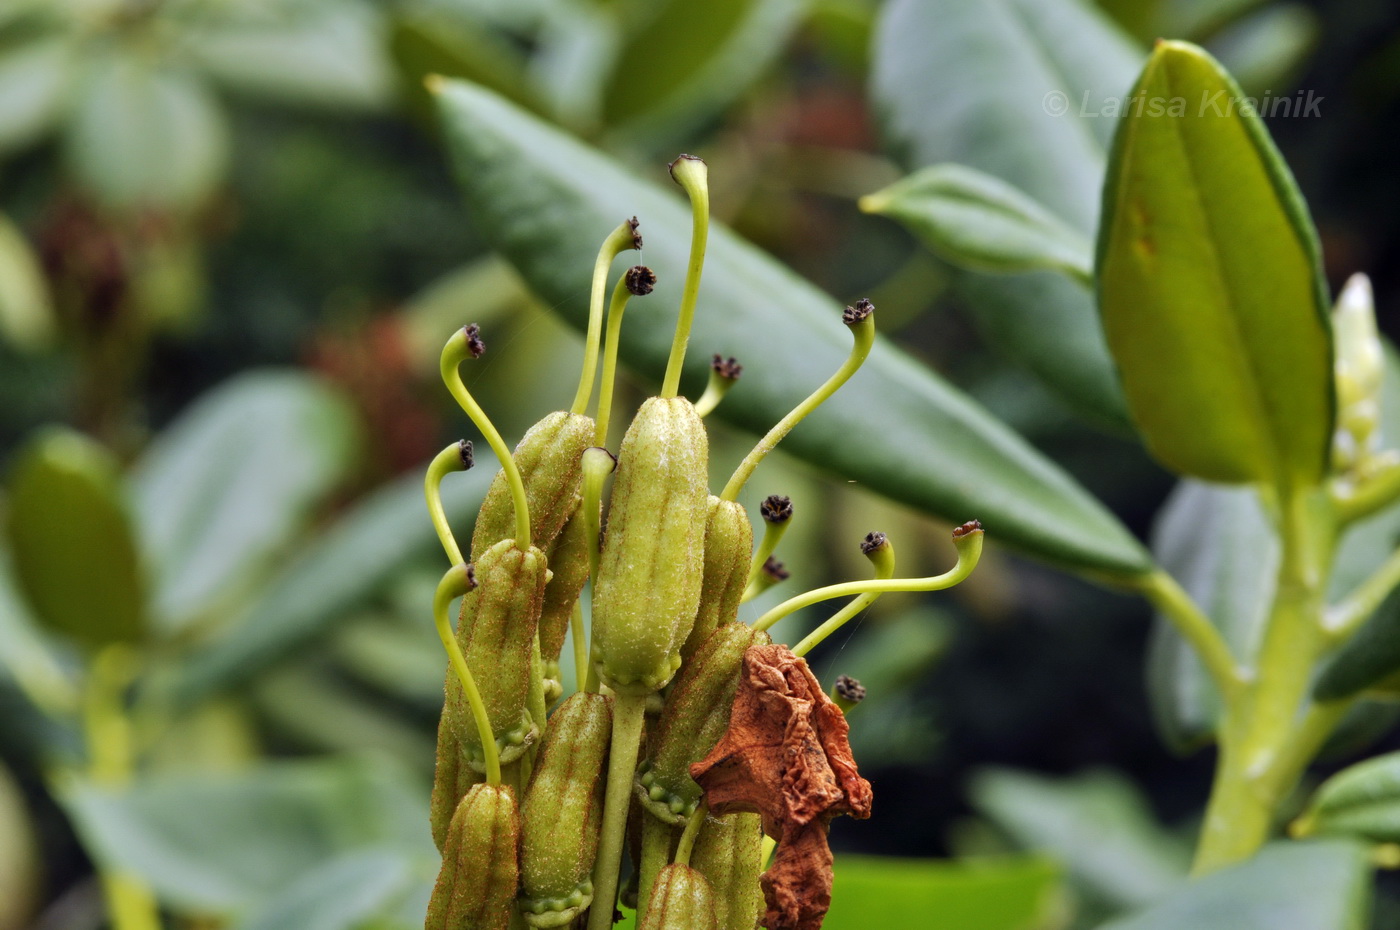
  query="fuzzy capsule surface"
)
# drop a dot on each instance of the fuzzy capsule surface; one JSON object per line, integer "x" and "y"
{"x": 728, "y": 549}
{"x": 563, "y": 812}
{"x": 652, "y": 564}
{"x": 568, "y": 560}
{"x": 496, "y": 631}
{"x": 728, "y": 852}
{"x": 681, "y": 899}
{"x": 476, "y": 888}
{"x": 549, "y": 457}
{"x": 695, "y": 717}
{"x": 452, "y": 779}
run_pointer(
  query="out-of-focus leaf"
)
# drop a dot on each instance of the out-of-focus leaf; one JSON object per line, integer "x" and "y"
{"x": 342, "y": 894}
{"x": 1362, "y": 802}
{"x": 1096, "y": 824}
{"x": 690, "y": 59}
{"x": 1196, "y": 19}
{"x": 26, "y": 310}
{"x": 431, "y": 41}
{"x": 995, "y": 894}
{"x": 34, "y": 82}
{"x": 24, "y": 654}
{"x": 229, "y": 483}
{"x": 70, "y": 534}
{"x": 144, "y": 136}
{"x": 546, "y": 201}
{"x": 1301, "y": 886}
{"x": 1001, "y": 85}
{"x": 331, "y": 57}
{"x": 1264, "y": 50}
{"x": 20, "y": 862}
{"x": 980, "y": 222}
{"x": 364, "y": 549}
{"x": 1217, "y": 542}
{"x": 224, "y": 843}
{"x": 1210, "y": 284}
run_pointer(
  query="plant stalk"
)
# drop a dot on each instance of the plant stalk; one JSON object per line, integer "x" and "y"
{"x": 629, "y": 714}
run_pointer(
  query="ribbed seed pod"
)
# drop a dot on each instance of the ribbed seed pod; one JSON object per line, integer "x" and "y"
{"x": 548, "y": 457}
{"x": 452, "y": 779}
{"x": 652, "y": 564}
{"x": 728, "y": 853}
{"x": 568, "y": 560}
{"x": 696, "y": 716}
{"x": 496, "y": 631}
{"x": 728, "y": 549}
{"x": 681, "y": 899}
{"x": 476, "y": 888}
{"x": 563, "y": 811}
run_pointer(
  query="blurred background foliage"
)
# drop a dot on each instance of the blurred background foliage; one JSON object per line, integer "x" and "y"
{"x": 230, "y": 248}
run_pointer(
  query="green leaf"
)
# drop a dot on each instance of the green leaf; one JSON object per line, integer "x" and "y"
{"x": 977, "y": 221}
{"x": 342, "y": 894}
{"x": 996, "y": 894}
{"x": 26, "y": 311}
{"x": 25, "y": 654}
{"x": 34, "y": 84}
{"x": 139, "y": 136}
{"x": 971, "y": 83}
{"x": 223, "y": 843}
{"x": 1096, "y": 824}
{"x": 1265, "y": 50}
{"x": 363, "y": 550}
{"x": 434, "y": 41}
{"x": 1301, "y": 886}
{"x": 1218, "y": 544}
{"x": 545, "y": 201}
{"x": 70, "y": 535}
{"x": 232, "y": 481}
{"x": 1362, "y": 802}
{"x": 331, "y": 56}
{"x": 1210, "y": 284}
{"x": 21, "y": 865}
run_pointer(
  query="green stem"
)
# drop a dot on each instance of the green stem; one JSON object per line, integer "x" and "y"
{"x": 459, "y": 348}
{"x": 883, "y": 557}
{"x": 969, "y": 552}
{"x": 616, "y": 307}
{"x": 535, "y": 700}
{"x": 580, "y": 646}
{"x": 864, "y": 332}
{"x": 456, "y": 582}
{"x": 1343, "y": 620}
{"x": 1356, "y": 503}
{"x": 456, "y": 457}
{"x": 619, "y": 240}
{"x": 691, "y": 174}
{"x": 692, "y": 830}
{"x": 773, "y": 531}
{"x": 629, "y": 714}
{"x": 723, "y": 376}
{"x": 1196, "y": 628}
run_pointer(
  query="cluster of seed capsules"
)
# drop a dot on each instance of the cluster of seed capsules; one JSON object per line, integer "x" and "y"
{"x": 533, "y": 808}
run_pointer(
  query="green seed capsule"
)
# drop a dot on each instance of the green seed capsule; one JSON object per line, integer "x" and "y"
{"x": 696, "y": 716}
{"x": 652, "y": 564}
{"x": 563, "y": 811}
{"x": 728, "y": 549}
{"x": 728, "y": 853}
{"x": 680, "y": 900}
{"x": 548, "y": 457}
{"x": 452, "y": 779}
{"x": 476, "y": 888}
{"x": 496, "y": 631}
{"x": 568, "y": 560}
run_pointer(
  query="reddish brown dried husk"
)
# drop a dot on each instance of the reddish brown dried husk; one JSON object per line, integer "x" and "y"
{"x": 681, "y": 899}
{"x": 476, "y": 888}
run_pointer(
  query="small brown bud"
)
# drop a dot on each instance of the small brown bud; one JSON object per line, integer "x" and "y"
{"x": 464, "y": 448}
{"x": 640, "y": 280}
{"x": 776, "y": 570}
{"x": 727, "y": 368}
{"x": 967, "y": 529}
{"x": 873, "y": 542}
{"x": 475, "y": 345}
{"x": 636, "y": 236}
{"x": 776, "y": 508}
{"x": 854, "y": 314}
{"x": 849, "y": 689}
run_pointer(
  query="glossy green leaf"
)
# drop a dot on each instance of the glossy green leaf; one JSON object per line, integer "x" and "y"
{"x": 26, "y": 310}
{"x": 978, "y": 221}
{"x": 223, "y": 843}
{"x": 984, "y": 84}
{"x": 358, "y": 554}
{"x": 139, "y": 136}
{"x": 1362, "y": 802}
{"x": 1210, "y": 284}
{"x": 330, "y": 56}
{"x": 34, "y": 83}
{"x": 232, "y": 481}
{"x": 995, "y": 894}
{"x": 545, "y": 201}
{"x": 1096, "y": 824}
{"x": 70, "y": 535}
{"x": 1301, "y": 886}
{"x": 1218, "y": 544}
